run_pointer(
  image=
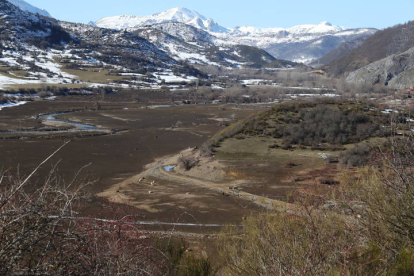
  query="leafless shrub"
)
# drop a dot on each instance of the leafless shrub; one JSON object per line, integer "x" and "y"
{"x": 329, "y": 181}
{"x": 40, "y": 233}
{"x": 206, "y": 150}
{"x": 3, "y": 99}
{"x": 290, "y": 165}
{"x": 331, "y": 158}
{"x": 357, "y": 156}
{"x": 187, "y": 162}
{"x": 364, "y": 227}
{"x": 240, "y": 136}
{"x": 44, "y": 94}
{"x": 286, "y": 244}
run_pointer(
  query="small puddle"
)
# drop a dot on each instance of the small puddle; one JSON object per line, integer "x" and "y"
{"x": 157, "y": 106}
{"x": 169, "y": 168}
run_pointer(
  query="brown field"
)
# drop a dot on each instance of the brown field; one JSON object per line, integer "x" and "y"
{"x": 41, "y": 85}
{"x": 145, "y": 135}
{"x": 140, "y": 142}
{"x": 273, "y": 173}
{"x": 139, "y": 135}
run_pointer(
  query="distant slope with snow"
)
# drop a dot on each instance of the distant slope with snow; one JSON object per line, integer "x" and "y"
{"x": 30, "y": 8}
{"x": 195, "y": 46}
{"x": 304, "y": 43}
{"x": 41, "y": 49}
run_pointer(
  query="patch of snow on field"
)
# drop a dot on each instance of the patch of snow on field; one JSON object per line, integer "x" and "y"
{"x": 215, "y": 86}
{"x": 9, "y": 61}
{"x": 6, "y": 81}
{"x": 253, "y": 81}
{"x": 295, "y": 96}
{"x": 54, "y": 68}
{"x": 131, "y": 74}
{"x": 21, "y": 60}
{"x": 188, "y": 56}
{"x": 389, "y": 111}
{"x": 170, "y": 78}
{"x": 12, "y": 104}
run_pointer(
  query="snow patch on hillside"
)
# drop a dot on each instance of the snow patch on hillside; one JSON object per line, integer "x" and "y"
{"x": 12, "y": 104}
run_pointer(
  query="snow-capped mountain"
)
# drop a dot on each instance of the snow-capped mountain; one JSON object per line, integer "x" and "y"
{"x": 21, "y": 24}
{"x": 30, "y": 8}
{"x": 309, "y": 29}
{"x": 195, "y": 46}
{"x": 303, "y": 43}
{"x": 42, "y": 49}
{"x": 189, "y": 37}
{"x": 181, "y": 15}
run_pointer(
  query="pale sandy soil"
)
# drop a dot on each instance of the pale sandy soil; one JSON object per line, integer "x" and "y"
{"x": 208, "y": 174}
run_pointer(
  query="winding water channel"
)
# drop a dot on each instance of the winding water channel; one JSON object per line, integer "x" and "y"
{"x": 51, "y": 119}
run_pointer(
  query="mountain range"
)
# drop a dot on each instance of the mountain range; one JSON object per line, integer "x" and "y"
{"x": 304, "y": 43}
{"x": 40, "y": 49}
{"x": 170, "y": 42}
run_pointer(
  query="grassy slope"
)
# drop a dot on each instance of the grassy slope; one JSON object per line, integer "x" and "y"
{"x": 90, "y": 75}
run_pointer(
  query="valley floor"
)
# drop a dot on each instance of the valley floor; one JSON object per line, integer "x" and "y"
{"x": 137, "y": 136}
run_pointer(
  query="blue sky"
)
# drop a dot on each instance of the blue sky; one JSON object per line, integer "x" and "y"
{"x": 258, "y": 13}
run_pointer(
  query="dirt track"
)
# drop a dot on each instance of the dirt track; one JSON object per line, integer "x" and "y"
{"x": 152, "y": 178}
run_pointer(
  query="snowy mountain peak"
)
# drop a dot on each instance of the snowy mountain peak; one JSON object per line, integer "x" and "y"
{"x": 23, "y": 5}
{"x": 195, "y": 19}
{"x": 178, "y": 14}
{"x": 325, "y": 23}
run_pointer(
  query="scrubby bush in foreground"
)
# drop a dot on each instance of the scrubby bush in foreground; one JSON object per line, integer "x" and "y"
{"x": 364, "y": 227}
{"x": 42, "y": 232}
{"x": 325, "y": 124}
{"x": 40, "y": 235}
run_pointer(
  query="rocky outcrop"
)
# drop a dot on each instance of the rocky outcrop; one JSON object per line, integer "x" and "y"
{"x": 396, "y": 71}
{"x": 382, "y": 44}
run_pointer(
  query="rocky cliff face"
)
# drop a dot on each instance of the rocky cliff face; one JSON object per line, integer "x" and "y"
{"x": 396, "y": 71}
